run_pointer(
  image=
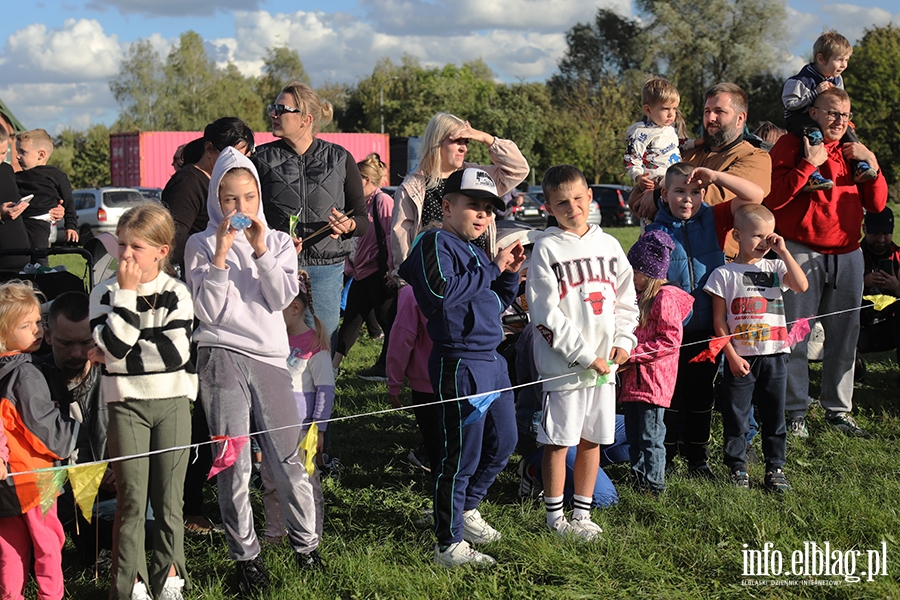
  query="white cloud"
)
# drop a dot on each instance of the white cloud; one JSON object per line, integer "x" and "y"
{"x": 77, "y": 51}
{"x": 54, "y": 106}
{"x": 850, "y": 19}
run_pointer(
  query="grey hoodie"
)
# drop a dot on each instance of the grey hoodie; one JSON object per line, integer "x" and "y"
{"x": 239, "y": 307}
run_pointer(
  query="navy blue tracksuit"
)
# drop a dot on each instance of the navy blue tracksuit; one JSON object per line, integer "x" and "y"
{"x": 462, "y": 294}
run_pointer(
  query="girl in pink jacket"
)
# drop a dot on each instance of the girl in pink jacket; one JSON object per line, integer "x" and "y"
{"x": 649, "y": 377}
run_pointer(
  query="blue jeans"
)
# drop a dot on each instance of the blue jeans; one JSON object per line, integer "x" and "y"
{"x": 327, "y": 282}
{"x": 766, "y": 384}
{"x": 646, "y": 432}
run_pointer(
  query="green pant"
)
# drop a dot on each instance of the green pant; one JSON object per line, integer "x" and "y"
{"x": 136, "y": 427}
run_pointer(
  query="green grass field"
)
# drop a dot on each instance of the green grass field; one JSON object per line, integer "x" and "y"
{"x": 686, "y": 544}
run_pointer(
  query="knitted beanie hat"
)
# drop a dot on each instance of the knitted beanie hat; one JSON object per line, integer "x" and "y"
{"x": 650, "y": 254}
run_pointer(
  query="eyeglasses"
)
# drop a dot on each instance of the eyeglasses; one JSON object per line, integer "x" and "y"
{"x": 834, "y": 116}
{"x": 279, "y": 109}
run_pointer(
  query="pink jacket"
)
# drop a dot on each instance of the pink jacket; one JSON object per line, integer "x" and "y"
{"x": 409, "y": 346}
{"x": 653, "y": 366}
{"x": 365, "y": 262}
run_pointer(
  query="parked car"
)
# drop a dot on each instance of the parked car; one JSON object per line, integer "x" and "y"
{"x": 99, "y": 209}
{"x": 612, "y": 201}
{"x": 530, "y": 211}
{"x": 151, "y": 193}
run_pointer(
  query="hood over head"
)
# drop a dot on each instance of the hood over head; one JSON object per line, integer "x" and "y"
{"x": 228, "y": 159}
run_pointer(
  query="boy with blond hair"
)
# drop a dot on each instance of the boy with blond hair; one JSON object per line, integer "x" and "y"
{"x": 652, "y": 144}
{"x": 581, "y": 298}
{"x": 831, "y": 55}
{"x": 748, "y": 305}
{"x": 49, "y": 186}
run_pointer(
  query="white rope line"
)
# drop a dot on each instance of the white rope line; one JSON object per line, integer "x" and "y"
{"x": 398, "y": 409}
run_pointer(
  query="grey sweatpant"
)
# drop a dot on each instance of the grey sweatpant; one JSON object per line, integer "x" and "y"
{"x": 835, "y": 283}
{"x": 232, "y": 386}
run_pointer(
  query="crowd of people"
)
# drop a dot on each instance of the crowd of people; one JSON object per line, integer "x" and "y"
{"x": 228, "y": 298}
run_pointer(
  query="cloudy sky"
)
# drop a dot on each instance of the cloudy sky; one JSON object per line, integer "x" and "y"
{"x": 57, "y": 55}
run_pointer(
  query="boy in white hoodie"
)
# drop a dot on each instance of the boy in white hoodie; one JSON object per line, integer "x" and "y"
{"x": 581, "y": 299}
{"x": 241, "y": 279}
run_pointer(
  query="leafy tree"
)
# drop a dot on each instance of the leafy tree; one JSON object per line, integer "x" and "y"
{"x": 703, "y": 42}
{"x": 233, "y": 95}
{"x": 190, "y": 76}
{"x": 873, "y": 84}
{"x": 90, "y": 165}
{"x": 140, "y": 90}
{"x": 83, "y": 156}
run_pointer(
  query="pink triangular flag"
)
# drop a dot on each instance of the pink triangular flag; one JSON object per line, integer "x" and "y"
{"x": 231, "y": 447}
{"x": 799, "y": 331}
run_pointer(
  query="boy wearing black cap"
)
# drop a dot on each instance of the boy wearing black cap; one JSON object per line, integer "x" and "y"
{"x": 462, "y": 294}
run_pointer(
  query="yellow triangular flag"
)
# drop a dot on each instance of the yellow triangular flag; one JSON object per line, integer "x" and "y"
{"x": 880, "y": 301}
{"x": 85, "y": 483}
{"x": 49, "y": 483}
{"x": 310, "y": 443}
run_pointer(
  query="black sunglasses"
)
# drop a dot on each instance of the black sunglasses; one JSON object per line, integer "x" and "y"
{"x": 280, "y": 109}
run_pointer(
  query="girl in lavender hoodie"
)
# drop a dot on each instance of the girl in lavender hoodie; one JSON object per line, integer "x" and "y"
{"x": 241, "y": 279}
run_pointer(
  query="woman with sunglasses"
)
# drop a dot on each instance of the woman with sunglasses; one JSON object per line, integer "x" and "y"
{"x": 312, "y": 190}
{"x": 417, "y": 201}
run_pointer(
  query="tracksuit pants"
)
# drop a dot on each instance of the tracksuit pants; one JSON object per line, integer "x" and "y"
{"x": 473, "y": 454}
{"x": 19, "y": 537}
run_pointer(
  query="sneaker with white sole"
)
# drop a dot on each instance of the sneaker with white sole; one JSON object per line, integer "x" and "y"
{"x": 796, "y": 426}
{"x": 847, "y": 424}
{"x": 461, "y": 553}
{"x": 529, "y": 487}
{"x": 476, "y": 530}
{"x": 172, "y": 589}
{"x": 562, "y": 527}
{"x": 584, "y": 529}
{"x": 139, "y": 592}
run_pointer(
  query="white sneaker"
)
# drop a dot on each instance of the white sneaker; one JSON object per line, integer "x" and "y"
{"x": 476, "y": 530}
{"x": 585, "y": 529}
{"x": 139, "y": 592}
{"x": 459, "y": 554}
{"x": 172, "y": 589}
{"x": 561, "y": 527}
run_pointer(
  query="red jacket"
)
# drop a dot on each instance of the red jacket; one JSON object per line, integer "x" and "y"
{"x": 653, "y": 366}
{"x": 826, "y": 221}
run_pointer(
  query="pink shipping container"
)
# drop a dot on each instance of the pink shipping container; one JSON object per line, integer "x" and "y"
{"x": 144, "y": 159}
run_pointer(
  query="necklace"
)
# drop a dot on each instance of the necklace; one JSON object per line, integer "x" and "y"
{"x": 155, "y": 298}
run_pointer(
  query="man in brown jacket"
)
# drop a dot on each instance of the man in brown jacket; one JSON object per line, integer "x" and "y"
{"x": 723, "y": 149}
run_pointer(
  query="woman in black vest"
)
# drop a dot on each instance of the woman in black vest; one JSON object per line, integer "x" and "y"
{"x": 309, "y": 185}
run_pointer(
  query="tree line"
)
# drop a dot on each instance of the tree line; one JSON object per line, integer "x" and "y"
{"x": 579, "y": 115}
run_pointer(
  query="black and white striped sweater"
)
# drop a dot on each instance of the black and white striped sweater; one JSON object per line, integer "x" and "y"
{"x": 146, "y": 336}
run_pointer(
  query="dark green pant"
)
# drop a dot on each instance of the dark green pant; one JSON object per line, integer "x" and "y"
{"x": 136, "y": 427}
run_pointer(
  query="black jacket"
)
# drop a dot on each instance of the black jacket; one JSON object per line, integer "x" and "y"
{"x": 309, "y": 185}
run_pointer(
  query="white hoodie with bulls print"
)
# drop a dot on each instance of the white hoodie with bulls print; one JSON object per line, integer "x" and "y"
{"x": 581, "y": 299}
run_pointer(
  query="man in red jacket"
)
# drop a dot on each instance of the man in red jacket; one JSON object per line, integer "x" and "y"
{"x": 823, "y": 229}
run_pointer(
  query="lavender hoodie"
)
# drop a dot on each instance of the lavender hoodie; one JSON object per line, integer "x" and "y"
{"x": 239, "y": 307}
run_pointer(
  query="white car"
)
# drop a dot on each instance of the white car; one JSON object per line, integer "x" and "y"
{"x": 99, "y": 209}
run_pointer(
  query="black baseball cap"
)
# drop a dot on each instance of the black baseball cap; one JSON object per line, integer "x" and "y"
{"x": 880, "y": 222}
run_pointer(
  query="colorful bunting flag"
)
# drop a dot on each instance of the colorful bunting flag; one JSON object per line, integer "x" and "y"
{"x": 799, "y": 331}
{"x": 49, "y": 483}
{"x": 310, "y": 444}
{"x": 710, "y": 353}
{"x": 231, "y": 448}
{"x": 85, "y": 483}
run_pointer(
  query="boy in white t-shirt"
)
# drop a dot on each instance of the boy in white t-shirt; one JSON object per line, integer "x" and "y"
{"x": 747, "y": 303}
{"x": 581, "y": 299}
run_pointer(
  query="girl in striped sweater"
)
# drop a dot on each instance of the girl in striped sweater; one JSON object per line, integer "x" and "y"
{"x": 141, "y": 320}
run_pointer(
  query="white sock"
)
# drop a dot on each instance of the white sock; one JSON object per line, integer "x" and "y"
{"x": 582, "y": 507}
{"x": 554, "y": 508}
